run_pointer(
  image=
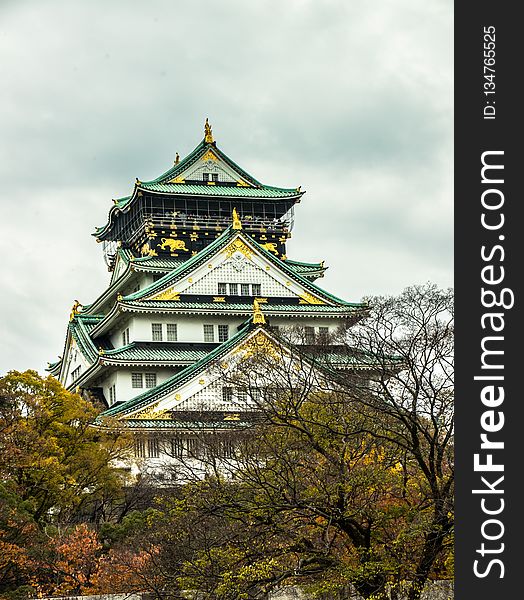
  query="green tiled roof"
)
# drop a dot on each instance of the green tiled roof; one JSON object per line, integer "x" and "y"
{"x": 224, "y": 307}
{"x": 185, "y": 425}
{"x": 159, "y": 262}
{"x": 80, "y": 328}
{"x": 218, "y": 190}
{"x": 160, "y": 352}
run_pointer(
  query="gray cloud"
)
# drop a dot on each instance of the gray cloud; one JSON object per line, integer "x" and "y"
{"x": 351, "y": 100}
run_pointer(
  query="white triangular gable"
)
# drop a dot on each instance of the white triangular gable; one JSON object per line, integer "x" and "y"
{"x": 119, "y": 268}
{"x": 204, "y": 391}
{"x": 210, "y": 163}
{"x": 73, "y": 358}
{"x": 239, "y": 262}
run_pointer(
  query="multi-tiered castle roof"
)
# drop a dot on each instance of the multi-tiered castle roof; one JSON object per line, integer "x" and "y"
{"x": 199, "y": 272}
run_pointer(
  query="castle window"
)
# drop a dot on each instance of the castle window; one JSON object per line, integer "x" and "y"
{"x": 214, "y": 176}
{"x": 226, "y": 449}
{"x": 223, "y": 333}
{"x": 177, "y": 448}
{"x": 140, "y": 448}
{"x": 172, "y": 335}
{"x": 137, "y": 380}
{"x": 227, "y": 394}
{"x": 153, "y": 448}
{"x": 75, "y": 373}
{"x": 323, "y": 331}
{"x": 242, "y": 396}
{"x": 150, "y": 380}
{"x": 156, "y": 332}
{"x": 222, "y": 289}
{"x": 112, "y": 394}
{"x": 125, "y": 337}
{"x": 244, "y": 289}
{"x": 256, "y": 289}
{"x": 233, "y": 289}
{"x": 309, "y": 334}
{"x": 209, "y": 333}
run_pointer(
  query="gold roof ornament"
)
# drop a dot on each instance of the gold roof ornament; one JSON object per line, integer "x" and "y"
{"x": 258, "y": 315}
{"x": 77, "y": 307}
{"x": 237, "y": 223}
{"x": 208, "y": 133}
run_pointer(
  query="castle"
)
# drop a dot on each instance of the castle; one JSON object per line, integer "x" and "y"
{"x": 199, "y": 274}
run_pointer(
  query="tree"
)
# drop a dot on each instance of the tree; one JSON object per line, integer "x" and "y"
{"x": 349, "y": 476}
{"x": 56, "y": 470}
{"x": 52, "y": 456}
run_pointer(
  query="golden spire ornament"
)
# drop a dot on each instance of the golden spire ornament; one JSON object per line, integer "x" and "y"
{"x": 208, "y": 134}
{"x": 258, "y": 315}
{"x": 237, "y": 223}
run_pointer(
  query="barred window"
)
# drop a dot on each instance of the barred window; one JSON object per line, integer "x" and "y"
{"x": 156, "y": 331}
{"x": 209, "y": 333}
{"x": 140, "y": 448}
{"x": 172, "y": 334}
{"x": 177, "y": 447}
{"x": 223, "y": 333}
{"x": 323, "y": 331}
{"x": 242, "y": 395}
{"x": 244, "y": 289}
{"x": 256, "y": 289}
{"x": 227, "y": 394}
{"x": 153, "y": 448}
{"x": 193, "y": 447}
{"x": 310, "y": 334}
{"x": 227, "y": 449}
{"x": 150, "y": 380}
{"x": 222, "y": 289}
{"x": 75, "y": 372}
{"x": 112, "y": 394}
{"x": 233, "y": 289}
{"x": 137, "y": 380}
{"x": 125, "y": 337}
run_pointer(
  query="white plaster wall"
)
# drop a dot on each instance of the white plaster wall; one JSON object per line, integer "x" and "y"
{"x": 122, "y": 379}
{"x": 74, "y": 358}
{"x": 190, "y": 329}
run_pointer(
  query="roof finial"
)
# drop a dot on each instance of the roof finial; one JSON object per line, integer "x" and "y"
{"x": 237, "y": 223}
{"x": 177, "y": 158}
{"x": 77, "y": 307}
{"x": 258, "y": 315}
{"x": 208, "y": 137}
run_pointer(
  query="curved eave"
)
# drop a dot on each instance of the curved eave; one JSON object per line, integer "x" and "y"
{"x": 146, "y": 425}
{"x": 221, "y": 191}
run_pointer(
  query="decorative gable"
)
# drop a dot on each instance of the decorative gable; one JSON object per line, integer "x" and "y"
{"x": 203, "y": 390}
{"x": 211, "y": 170}
{"x": 239, "y": 262}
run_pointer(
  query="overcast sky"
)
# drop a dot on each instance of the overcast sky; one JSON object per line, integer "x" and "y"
{"x": 351, "y": 99}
